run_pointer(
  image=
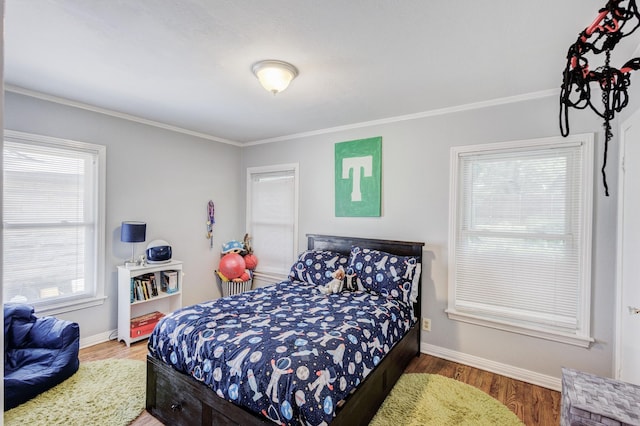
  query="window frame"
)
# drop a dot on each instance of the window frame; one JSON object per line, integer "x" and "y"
{"x": 582, "y": 335}
{"x": 97, "y": 295}
{"x": 278, "y": 168}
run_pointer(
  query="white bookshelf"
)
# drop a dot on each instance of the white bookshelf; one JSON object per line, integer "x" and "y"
{"x": 164, "y": 302}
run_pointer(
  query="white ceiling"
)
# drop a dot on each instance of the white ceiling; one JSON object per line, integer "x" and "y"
{"x": 187, "y": 63}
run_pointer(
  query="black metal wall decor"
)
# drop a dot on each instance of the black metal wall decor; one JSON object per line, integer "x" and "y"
{"x": 618, "y": 19}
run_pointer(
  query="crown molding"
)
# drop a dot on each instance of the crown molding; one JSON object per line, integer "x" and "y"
{"x": 105, "y": 111}
{"x": 416, "y": 116}
{"x": 408, "y": 117}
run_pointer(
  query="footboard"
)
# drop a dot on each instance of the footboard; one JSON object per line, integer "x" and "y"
{"x": 361, "y": 406}
{"x": 178, "y": 399}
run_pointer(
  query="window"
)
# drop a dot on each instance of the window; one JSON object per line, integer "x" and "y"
{"x": 520, "y": 237}
{"x": 272, "y": 216}
{"x": 53, "y": 222}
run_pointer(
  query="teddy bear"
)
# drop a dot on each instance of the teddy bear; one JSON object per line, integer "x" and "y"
{"x": 335, "y": 285}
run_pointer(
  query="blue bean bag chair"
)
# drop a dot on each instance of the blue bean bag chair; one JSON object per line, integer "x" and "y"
{"x": 39, "y": 353}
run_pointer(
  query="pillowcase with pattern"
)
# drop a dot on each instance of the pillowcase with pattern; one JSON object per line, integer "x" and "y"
{"x": 316, "y": 266}
{"x": 385, "y": 273}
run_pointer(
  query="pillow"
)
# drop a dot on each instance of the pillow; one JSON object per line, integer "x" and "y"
{"x": 385, "y": 273}
{"x": 316, "y": 266}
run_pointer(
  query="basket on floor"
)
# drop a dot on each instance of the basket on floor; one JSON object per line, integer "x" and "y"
{"x": 229, "y": 288}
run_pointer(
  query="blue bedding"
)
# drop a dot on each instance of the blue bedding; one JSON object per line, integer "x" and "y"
{"x": 286, "y": 351}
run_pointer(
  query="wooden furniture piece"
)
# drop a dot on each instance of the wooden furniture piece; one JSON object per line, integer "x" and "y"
{"x": 178, "y": 399}
{"x": 164, "y": 302}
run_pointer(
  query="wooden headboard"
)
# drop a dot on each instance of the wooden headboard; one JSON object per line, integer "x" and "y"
{"x": 344, "y": 244}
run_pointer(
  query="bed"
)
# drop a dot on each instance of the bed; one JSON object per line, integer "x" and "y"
{"x": 288, "y": 353}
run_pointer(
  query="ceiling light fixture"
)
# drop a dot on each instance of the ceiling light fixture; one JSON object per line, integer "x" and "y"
{"x": 274, "y": 76}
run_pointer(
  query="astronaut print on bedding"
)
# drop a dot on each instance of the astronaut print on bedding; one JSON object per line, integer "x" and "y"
{"x": 385, "y": 273}
{"x": 316, "y": 266}
{"x": 286, "y": 351}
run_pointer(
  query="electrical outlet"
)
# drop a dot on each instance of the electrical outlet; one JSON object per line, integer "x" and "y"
{"x": 426, "y": 324}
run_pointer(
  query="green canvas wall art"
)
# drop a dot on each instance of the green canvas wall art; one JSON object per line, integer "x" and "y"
{"x": 358, "y": 177}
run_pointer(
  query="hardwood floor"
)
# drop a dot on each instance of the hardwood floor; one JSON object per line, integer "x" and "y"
{"x": 534, "y": 405}
{"x": 113, "y": 349}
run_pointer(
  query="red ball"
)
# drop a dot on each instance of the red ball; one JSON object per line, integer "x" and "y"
{"x": 251, "y": 261}
{"x": 232, "y": 265}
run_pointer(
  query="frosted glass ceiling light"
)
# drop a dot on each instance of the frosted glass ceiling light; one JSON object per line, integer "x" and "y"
{"x": 274, "y": 76}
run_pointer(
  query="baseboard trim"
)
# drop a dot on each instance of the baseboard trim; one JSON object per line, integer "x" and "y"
{"x": 549, "y": 382}
{"x": 97, "y": 338}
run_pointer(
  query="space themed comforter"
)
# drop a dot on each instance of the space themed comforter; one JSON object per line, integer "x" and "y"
{"x": 286, "y": 351}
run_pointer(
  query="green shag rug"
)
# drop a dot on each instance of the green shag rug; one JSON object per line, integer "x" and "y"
{"x": 109, "y": 392}
{"x": 431, "y": 399}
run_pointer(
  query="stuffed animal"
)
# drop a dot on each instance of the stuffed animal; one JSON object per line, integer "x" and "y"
{"x": 351, "y": 280}
{"x": 335, "y": 285}
{"x": 232, "y": 246}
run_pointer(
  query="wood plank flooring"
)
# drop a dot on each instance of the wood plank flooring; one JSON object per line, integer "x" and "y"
{"x": 534, "y": 405}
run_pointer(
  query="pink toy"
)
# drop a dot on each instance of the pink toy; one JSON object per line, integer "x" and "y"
{"x": 251, "y": 260}
{"x": 232, "y": 265}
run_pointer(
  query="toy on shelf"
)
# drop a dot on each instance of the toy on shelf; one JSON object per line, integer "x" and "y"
{"x": 250, "y": 259}
{"x": 237, "y": 262}
{"x": 231, "y": 266}
{"x": 232, "y": 246}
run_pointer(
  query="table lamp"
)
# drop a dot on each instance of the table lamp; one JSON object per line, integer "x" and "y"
{"x": 132, "y": 232}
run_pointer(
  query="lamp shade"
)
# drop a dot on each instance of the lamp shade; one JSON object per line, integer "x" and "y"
{"x": 274, "y": 76}
{"x": 133, "y": 232}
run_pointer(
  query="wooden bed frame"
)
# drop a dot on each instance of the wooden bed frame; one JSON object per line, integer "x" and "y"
{"x": 178, "y": 399}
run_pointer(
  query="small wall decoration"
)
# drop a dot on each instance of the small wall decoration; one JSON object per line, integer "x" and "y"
{"x": 616, "y": 20}
{"x": 210, "y": 221}
{"x": 358, "y": 177}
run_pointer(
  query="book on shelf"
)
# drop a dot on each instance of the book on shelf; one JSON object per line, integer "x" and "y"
{"x": 153, "y": 285}
{"x": 151, "y": 317}
{"x": 169, "y": 281}
{"x": 140, "y": 290}
{"x": 144, "y": 324}
{"x": 144, "y": 284}
{"x": 143, "y": 287}
{"x": 136, "y": 289}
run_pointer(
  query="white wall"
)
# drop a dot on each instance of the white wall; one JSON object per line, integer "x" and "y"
{"x": 415, "y": 207}
{"x": 153, "y": 175}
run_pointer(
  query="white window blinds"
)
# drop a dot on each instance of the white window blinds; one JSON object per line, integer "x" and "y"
{"x": 52, "y": 220}
{"x": 272, "y": 216}
{"x": 521, "y": 237}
